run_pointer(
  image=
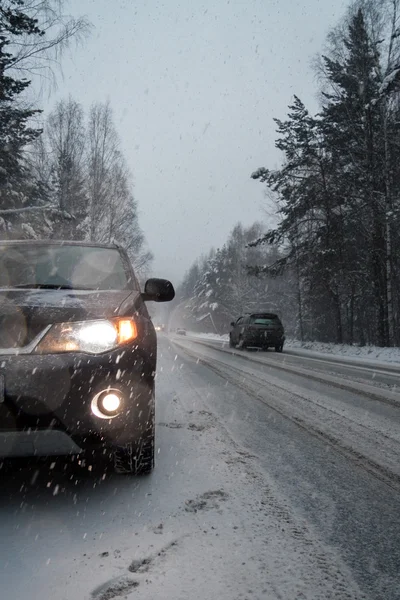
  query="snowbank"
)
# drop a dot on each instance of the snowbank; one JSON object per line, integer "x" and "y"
{"x": 210, "y": 336}
{"x": 391, "y": 355}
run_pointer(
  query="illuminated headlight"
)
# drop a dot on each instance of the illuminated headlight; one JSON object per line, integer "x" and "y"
{"x": 93, "y": 337}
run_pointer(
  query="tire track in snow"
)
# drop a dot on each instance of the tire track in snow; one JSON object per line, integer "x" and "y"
{"x": 285, "y": 402}
{"x": 373, "y": 392}
{"x": 247, "y": 518}
{"x": 282, "y": 542}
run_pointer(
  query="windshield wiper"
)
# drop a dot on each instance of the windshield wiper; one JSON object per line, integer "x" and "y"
{"x": 44, "y": 286}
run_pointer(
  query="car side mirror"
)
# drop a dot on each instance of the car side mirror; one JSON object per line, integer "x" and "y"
{"x": 158, "y": 290}
{"x": 232, "y": 324}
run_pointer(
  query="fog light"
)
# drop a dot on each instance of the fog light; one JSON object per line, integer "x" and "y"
{"x": 107, "y": 404}
{"x": 110, "y": 403}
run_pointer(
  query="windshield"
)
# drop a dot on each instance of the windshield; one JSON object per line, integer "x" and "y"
{"x": 264, "y": 320}
{"x": 66, "y": 266}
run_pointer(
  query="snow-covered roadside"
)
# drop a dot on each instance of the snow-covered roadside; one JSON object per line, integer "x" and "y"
{"x": 209, "y": 336}
{"x": 370, "y": 353}
{"x": 362, "y": 353}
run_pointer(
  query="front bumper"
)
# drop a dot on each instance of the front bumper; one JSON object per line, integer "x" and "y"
{"x": 54, "y": 393}
{"x": 41, "y": 443}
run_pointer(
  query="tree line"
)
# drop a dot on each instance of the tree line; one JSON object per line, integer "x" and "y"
{"x": 337, "y": 193}
{"x": 67, "y": 178}
{"x": 218, "y": 286}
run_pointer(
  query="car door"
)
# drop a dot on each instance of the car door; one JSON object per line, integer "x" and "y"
{"x": 236, "y": 330}
{"x": 243, "y": 326}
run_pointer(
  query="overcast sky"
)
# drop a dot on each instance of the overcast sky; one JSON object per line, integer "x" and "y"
{"x": 194, "y": 87}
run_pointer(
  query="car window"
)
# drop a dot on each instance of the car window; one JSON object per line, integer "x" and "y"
{"x": 264, "y": 320}
{"x": 78, "y": 267}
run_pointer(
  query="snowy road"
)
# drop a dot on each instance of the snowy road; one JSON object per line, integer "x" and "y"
{"x": 385, "y": 375}
{"x": 275, "y": 479}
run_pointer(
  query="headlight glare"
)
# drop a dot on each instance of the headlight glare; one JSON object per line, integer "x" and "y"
{"x": 93, "y": 337}
{"x": 110, "y": 403}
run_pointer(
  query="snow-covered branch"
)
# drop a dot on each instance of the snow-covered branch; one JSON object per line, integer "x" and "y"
{"x": 48, "y": 207}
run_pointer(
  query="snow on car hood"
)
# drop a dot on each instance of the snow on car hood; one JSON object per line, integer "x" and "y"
{"x": 53, "y": 306}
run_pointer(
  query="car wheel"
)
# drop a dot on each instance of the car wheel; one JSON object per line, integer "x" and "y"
{"x": 279, "y": 348}
{"x": 137, "y": 458}
{"x": 241, "y": 345}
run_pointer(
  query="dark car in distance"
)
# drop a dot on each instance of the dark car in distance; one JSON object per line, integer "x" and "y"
{"x": 261, "y": 330}
{"x": 77, "y": 353}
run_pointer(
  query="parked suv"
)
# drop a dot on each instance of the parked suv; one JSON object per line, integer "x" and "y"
{"x": 77, "y": 353}
{"x": 263, "y": 330}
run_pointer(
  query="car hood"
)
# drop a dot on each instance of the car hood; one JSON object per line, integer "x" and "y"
{"x": 24, "y": 313}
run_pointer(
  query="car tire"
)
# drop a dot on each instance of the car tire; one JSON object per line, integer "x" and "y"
{"x": 137, "y": 458}
{"x": 241, "y": 345}
{"x": 279, "y": 348}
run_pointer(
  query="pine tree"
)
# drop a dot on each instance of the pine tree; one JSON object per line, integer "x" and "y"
{"x": 15, "y": 129}
{"x": 352, "y": 128}
{"x": 30, "y": 34}
{"x": 311, "y": 225}
{"x": 338, "y": 191}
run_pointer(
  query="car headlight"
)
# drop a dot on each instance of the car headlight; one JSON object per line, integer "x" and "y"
{"x": 93, "y": 337}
